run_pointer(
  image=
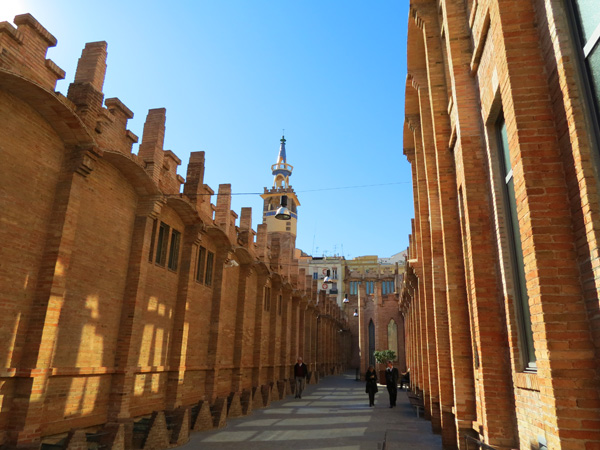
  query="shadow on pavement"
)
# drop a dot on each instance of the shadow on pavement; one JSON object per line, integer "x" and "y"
{"x": 331, "y": 415}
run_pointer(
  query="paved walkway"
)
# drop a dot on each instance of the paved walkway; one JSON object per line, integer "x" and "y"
{"x": 333, "y": 414}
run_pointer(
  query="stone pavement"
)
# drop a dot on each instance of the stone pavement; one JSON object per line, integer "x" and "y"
{"x": 333, "y": 414}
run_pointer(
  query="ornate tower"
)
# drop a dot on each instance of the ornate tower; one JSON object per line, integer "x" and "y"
{"x": 272, "y": 197}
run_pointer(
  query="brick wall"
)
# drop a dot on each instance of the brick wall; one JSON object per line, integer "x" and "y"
{"x": 99, "y": 332}
{"x": 470, "y": 63}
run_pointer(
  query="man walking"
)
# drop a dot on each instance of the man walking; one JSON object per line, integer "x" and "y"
{"x": 391, "y": 382}
{"x": 300, "y": 373}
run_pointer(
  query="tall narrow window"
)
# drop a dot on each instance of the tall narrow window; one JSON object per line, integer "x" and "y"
{"x": 152, "y": 239}
{"x": 392, "y": 335}
{"x": 209, "y": 268}
{"x": 174, "y": 250}
{"x": 353, "y": 287}
{"x": 587, "y": 18}
{"x": 371, "y": 343}
{"x": 370, "y": 286}
{"x": 516, "y": 250}
{"x": 161, "y": 247}
{"x": 387, "y": 287}
{"x": 201, "y": 264}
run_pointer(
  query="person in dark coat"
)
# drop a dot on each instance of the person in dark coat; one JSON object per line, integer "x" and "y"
{"x": 391, "y": 382}
{"x": 371, "y": 388}
{"x": 300, "y": 374}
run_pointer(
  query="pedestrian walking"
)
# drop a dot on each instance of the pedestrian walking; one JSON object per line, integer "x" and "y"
{"x": 300, "y": 374}
{"x": 391, "y": 382}
{"x": 371, "y": 388}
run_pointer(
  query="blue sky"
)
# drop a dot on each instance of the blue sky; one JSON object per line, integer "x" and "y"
{"x": 233, "y": 74}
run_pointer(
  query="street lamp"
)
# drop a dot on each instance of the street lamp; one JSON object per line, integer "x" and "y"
{"x": 355, "y": 312}
{"x": 283, "y": 213}
{"x": 346, "y": 298}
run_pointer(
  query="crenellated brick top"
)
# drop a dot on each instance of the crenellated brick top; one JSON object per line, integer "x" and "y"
{"x": 23, "y": 51}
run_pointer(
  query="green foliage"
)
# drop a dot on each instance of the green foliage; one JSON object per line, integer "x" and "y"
{"x": 383, "y": 356}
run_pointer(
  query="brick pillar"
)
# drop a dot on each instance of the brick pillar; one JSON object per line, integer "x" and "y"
{"x": 494, "y": 388}
{"x": 86, "y": 90}
{"x": 216, "y": 315}
{"x": 294, "y": 329}
{"x": 421, "y": 77}
{"x": 181, "y": 323}
{"x": 36, "y": 363}
{"x": 285, "y": 333}
{"x": 194, "y": 181}
{"x": 240, "y": 325}
{"x": 426, "y": 206}
{"x": 151, "y": 148}
{"x": 122, "y": 381}
{"x": 271, "y": 357}
{"x": 301, "y": 333}
{"x": 259, "y": 334}
{"x": 456, "y": 311}
{"x": 223, "y": 208}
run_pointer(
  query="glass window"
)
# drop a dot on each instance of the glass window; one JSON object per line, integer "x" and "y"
{"x": 588, "y": 14}
{"x": 587, "y": 18}
{"x": 174, "y": 250}
{"x": 210, "y": 256}
{"x": 201, "y": 264}
{"x": 353, "y": 287}
{"x": 161, "y": 248}
{"x": 387, "y": 287}
{"x": 514, "y": 234}
{"x": 152, "y": 239}
{"x": 370, "y": 286}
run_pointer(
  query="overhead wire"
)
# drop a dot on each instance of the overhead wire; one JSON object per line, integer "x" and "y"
{"x": 319, "y": 189}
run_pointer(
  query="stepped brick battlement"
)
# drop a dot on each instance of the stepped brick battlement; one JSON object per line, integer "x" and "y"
{"x": 127, "y": 297}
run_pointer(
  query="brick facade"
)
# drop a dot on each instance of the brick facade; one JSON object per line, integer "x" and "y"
{"x": 127, "y": 309}
{"x": 474, "y": 66}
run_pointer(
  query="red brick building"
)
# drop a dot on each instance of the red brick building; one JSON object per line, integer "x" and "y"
{"x": 372, "y": 308}
{"x": 129, "y": 310}
{"x": 501, "y": 293}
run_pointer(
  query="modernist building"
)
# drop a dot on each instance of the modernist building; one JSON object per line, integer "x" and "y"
{"x": 320, "y": 267}
{"x": 501, "y": 295}
{"x": 132, "y": 309}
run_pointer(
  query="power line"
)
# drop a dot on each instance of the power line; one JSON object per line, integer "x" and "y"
{"x": 318, "y": 190}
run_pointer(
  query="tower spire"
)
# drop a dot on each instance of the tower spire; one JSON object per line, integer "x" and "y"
{"x": 281, "y": 169}
{"x": 273, "y": 198}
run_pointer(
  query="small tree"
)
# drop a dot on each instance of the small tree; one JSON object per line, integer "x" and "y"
{"x": 383, "y": 356}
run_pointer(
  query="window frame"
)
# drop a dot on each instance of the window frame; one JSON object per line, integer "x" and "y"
{"x": 208, "y": 274}
{"x": 162, "y": 244}
{"x": 517, "y": 265}
{"x": 590, "y": 99}
{"x": 175, "y": 243}
{"x": 200, "y": 264}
